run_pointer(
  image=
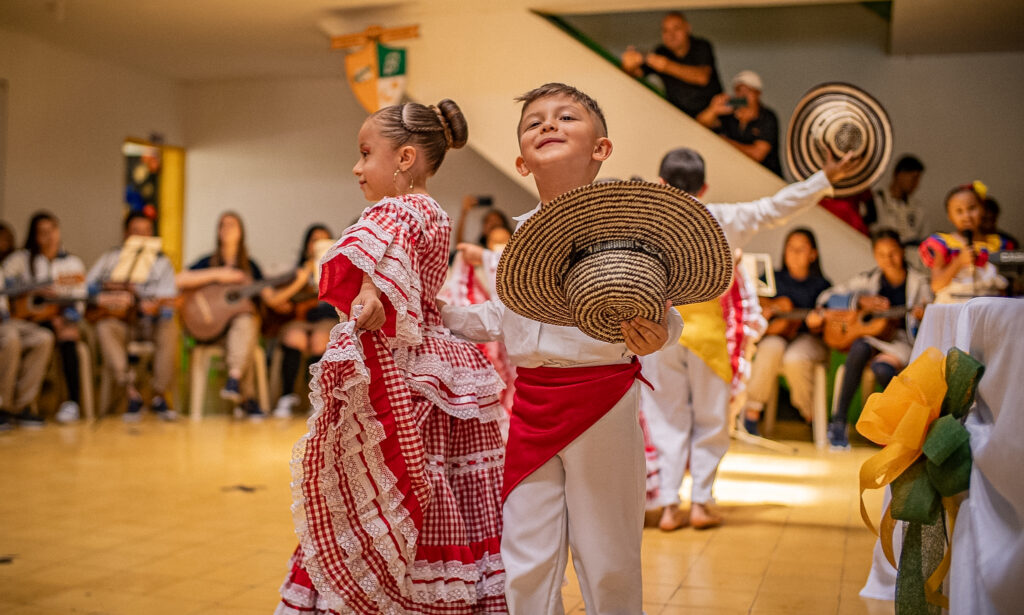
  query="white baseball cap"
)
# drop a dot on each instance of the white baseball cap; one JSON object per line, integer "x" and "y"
{"x": 748, "y": 78}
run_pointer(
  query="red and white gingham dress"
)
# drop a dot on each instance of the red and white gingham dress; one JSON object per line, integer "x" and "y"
{"x": 397, "y": 484}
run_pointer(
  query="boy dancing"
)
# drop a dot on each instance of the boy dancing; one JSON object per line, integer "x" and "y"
{"x": 575, "y": 467}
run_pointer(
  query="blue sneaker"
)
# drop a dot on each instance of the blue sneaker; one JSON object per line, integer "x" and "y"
{"x": 162, "y": 410}
{"x": 134, "y": 412}
{"x": 249, "y": 409}
{"x": 837, "y": 438}
{"x": 231, "y": 391}
{"x": 750, "y": 425}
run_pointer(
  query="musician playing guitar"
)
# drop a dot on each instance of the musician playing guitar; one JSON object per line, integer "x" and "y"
{"x": 310, "y": 321}
{"x": 800, "y": 281}
{"x": 135, "y": 313}
{"x": 230, "y": 264}
{"x": 884, "y": 289}
{"x": 44, "y": 261}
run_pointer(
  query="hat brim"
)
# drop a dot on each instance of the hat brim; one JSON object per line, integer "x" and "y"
{"x": 837, "y": 118}
{"x": 688, "y": 240}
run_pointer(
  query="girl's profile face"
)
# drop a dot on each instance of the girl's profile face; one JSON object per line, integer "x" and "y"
{"x": 378, "y": 161}
{"x": 964, "y": 211}
{"x": 799, "y": 253}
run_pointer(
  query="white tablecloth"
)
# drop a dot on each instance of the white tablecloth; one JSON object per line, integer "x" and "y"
{"x": 987, "y": 572}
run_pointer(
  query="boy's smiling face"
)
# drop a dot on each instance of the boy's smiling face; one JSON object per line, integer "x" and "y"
{"x": 560, "y": 137}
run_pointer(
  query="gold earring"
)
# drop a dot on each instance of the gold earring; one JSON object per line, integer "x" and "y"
{"x": 410, "y": 183}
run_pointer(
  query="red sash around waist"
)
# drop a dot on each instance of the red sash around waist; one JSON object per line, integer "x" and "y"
{"x": 553, "y": 406}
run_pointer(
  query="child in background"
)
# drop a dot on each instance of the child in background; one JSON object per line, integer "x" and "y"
{"x": 397, "y": 484}
{"x": 959, "y": 261}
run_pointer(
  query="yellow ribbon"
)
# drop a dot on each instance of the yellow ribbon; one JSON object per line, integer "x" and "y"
{"x": 898, "y": 419}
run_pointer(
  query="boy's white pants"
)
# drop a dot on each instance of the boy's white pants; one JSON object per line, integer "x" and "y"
{"x": 687, "y": 418}
{"x": 590, "y": 498}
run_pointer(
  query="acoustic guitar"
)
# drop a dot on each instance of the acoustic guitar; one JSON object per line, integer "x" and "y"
{"x": 272, "y": 320}
{"x": 29, "y": 303}
{"x": 207, "y": 310}
{"x": 843, "y": 327}
{"x": 783, "y": 319}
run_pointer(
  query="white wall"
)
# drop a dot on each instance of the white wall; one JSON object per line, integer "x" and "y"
{"x": 280, "y": 152}
{"x": 67, "y": 118}
{"x": 960, "y": 113}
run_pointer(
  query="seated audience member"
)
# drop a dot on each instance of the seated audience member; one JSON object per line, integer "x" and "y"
{"x": 230, "y": 264}
{"x": 890, "y": 285}
{"x": 44, "y": 261}
{"x": 7, "y": 245}
{"x": 893, "y": 208}
{"x": 685, "y": 64}
{"x": 25, "y": 350}
{"x": 959, "y": 260}
{"x": 139, "y": 312}
{"x": 793, "y": 353}
{"x": 309, "y": 329}
{"x": 990, "y": 221}
{"x": 744, "y": 122}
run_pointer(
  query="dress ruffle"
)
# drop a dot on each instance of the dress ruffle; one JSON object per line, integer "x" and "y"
{"x": 396, "y": 485}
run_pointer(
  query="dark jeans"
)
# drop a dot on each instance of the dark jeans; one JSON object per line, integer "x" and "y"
{"x": 856, "y": 360}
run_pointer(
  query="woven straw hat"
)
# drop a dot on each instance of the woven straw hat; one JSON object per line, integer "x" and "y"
{"x": 839, "y": 117}
{"x": 610, "y": 252}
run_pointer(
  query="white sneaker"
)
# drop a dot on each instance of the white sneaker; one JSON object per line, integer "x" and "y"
{"x": 68, "y": 412}
{"x": 285, "y": 405}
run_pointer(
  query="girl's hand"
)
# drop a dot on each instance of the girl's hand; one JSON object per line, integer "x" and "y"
{"x": 815, "y": 319}
{"x": 371, "y": 316}
{"x": 643, "y": 336}
{"x": 966, "y": 257}
{"x": 230, "y": 275}
{"x": 471, "y": 253}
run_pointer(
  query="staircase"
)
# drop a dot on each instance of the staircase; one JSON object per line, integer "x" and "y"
{"x": 484, "y": 56}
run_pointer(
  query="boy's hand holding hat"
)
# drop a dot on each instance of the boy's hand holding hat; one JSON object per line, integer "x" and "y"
{"x": 609, "y": 253}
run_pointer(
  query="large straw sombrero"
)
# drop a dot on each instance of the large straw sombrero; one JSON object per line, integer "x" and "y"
{"x": 839, "y": 117}
{"x": 610, "y": 252}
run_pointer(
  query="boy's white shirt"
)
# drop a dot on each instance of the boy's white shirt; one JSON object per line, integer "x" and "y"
{"x": 533, "y": 344}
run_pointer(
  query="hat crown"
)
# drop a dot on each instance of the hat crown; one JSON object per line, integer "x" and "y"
{"x": 601, "y": 302}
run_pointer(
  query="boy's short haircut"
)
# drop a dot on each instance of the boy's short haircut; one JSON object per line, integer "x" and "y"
{"x": 561, "y": 89}
{"x": 683, "y": 168}
{"x": 908, "y": 164}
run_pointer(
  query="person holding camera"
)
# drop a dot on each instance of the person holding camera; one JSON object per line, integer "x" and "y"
{"x": 685, "y": 64}
{"x": 744, "y": 122}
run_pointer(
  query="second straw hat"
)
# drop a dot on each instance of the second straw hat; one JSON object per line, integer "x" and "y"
{"x": 610, "y": 252}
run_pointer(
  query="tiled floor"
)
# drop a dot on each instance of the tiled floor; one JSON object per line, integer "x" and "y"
{"x": 184, "y": 518}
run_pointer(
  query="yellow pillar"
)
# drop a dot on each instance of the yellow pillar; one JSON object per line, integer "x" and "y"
{"x": 172, "y": 202}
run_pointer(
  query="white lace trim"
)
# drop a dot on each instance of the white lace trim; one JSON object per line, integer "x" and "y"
{"x": 356, "y": 417}
{"x": 466, "y": 464}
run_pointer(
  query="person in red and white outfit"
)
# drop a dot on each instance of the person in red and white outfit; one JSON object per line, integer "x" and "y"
{"x": 397, "y": 483}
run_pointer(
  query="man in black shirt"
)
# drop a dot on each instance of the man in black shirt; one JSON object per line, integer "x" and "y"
{"x": 685, "y": 64}
{"x": 744, "y": 122}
